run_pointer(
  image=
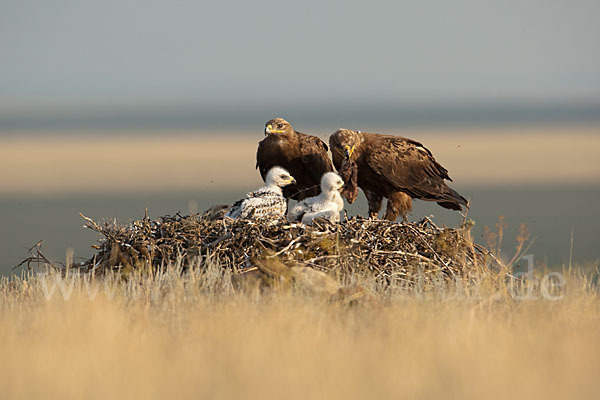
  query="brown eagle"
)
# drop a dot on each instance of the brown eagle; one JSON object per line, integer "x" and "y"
{"x": 394, "y": 167}
{"x": 306, "y": 158}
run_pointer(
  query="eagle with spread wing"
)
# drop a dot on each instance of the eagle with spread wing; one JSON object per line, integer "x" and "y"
{"x": 304, "y": 156}
{"x": 396, "y": 168}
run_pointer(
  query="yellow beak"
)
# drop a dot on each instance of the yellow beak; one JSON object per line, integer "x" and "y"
{"x": 269, "y": 129}
{"x": 348, "y": 151}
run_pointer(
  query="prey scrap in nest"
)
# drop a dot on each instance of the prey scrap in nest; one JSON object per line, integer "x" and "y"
{"x": 349, "y": 173}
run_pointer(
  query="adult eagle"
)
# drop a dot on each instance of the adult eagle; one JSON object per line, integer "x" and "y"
{"x": 304, "y": 156}
{"x": 394, "y": 167}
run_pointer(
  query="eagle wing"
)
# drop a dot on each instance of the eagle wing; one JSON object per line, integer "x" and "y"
{"x": 315, "y": 156}
{"x": 297, "y": 211}
{"x": 259, "y": 204}
{"x": 407, "y": 165}
{"x": 309, "y": 209}
{"x": 267, "y": 155}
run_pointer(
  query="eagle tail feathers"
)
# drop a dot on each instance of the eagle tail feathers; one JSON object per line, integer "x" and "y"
{"x": 453, "y": 200}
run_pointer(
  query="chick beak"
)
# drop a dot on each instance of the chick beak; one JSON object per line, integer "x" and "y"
{"x": 292, "y": 180}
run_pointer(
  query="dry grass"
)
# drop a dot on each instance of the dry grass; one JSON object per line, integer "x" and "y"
{"x": 194, "y": 336}
{"x": 99, "y": 163}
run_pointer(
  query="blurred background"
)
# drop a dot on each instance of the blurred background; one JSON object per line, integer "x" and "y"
{"x": 110, "y": 107}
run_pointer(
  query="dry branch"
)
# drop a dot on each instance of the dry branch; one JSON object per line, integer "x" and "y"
{"x": 384, "y": 249}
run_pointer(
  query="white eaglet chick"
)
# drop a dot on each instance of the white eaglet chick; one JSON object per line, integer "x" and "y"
{"x": 268, "y": 201}
{"x": 326, "y": 205}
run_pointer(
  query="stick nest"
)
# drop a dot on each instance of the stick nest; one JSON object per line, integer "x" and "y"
{"x": 389, "y": 250}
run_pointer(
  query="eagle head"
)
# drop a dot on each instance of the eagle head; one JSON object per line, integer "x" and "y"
{"x": 278, "y": 176}
{"x": 330, "y": 182}
{"x": 345, "y": 142}
{"x": 278, "y": 126}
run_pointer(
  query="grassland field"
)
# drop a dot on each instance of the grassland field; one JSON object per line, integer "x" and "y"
{"x": 195, "y": 335}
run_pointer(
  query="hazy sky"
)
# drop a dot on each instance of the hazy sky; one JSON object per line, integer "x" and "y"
{"x": 145, "y": 51}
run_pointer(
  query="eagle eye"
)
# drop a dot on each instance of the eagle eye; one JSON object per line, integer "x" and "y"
{"x": 280, "y": 126}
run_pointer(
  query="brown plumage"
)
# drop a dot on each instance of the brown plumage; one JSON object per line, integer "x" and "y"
{"x": 304, "y": 156}
{"x": 396, "y": 168}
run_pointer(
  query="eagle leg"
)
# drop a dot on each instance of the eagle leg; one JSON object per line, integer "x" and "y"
{"x": 398, "y": 203}
{"x": 374, "y": 200}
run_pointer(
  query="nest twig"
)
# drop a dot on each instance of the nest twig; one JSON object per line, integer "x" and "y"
{"x": 385, "y": 249}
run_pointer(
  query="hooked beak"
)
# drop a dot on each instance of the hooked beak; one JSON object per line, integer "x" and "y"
{"x": 348, "y": 151}
{"x": 269, "y": 130}
{"x": 340, "y": 186}
{"x": 291, "y": 181}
